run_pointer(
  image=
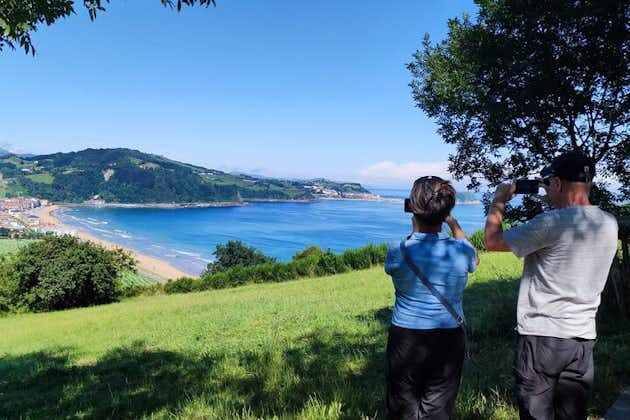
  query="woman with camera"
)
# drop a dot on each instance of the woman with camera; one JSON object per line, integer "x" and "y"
{"x": 427, "y": 339}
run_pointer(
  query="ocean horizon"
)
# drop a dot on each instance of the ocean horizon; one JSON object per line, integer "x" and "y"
{"x": 187, "y": 237}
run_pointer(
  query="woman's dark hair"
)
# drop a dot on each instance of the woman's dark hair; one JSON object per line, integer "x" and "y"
{"x": 432, "y": 199}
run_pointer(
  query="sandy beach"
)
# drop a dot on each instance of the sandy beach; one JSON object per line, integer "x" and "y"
{"x": 151, "y": 266}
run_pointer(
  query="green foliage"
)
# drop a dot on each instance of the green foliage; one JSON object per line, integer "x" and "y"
{"x": 309, "y": 264}
{"x": 130, "y": 176}
{"x": 19, "y": 18}
{"x": 476, "y": 239}
{"x": 235, "y": 253}
{"x": 329, "y": 264}
{"x": 8, "y": 284}
{"x": 357, "y": 259}
{"x": 296, "y": 350}
{"x": 133, "y": 283}
{"x": 60, "y": 272}
{"x": 489, "y": 87}
{"x": 181, "y": 285}
{"x": 9, "y": 246}
{"x": 308, "y": 252}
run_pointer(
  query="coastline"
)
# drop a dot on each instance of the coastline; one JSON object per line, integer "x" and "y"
{"x": 151, "y": 266}
{"x": 214, "y": 204}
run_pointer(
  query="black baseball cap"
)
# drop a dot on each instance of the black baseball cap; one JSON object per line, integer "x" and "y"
{"x": 571, "y": 166}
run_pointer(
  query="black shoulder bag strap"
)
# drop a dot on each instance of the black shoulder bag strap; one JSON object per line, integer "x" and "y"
{"x": 458, "y": 318}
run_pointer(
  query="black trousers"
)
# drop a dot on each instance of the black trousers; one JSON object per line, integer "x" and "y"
{"x": 553, "y": 377}
{"x": 423, "y": 372}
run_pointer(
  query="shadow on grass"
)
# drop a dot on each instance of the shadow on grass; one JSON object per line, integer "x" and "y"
{"x": 135, "y": 381}
{"x": 335, "y": 370}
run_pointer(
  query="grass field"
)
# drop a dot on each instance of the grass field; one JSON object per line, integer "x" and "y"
{"x": 8, "y": 246}
{"x": 41, "y": 178}
{"x": 309, "y": 349}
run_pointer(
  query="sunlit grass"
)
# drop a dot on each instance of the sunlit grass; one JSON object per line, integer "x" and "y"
{"x": 306, "y": 349}
{"x": 8, "y": 246}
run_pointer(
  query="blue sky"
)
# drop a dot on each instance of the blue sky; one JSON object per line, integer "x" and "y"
{"x": 280, "y": 88}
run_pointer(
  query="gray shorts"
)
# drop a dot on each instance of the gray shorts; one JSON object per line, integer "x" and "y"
{"x": 553, "y": 377}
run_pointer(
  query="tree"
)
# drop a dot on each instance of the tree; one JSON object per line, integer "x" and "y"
{"x": 235, "y": 253}
{"x": 527, "y": 80}
{"x": 60, "y": 272}
{"x": 19, "y": 18}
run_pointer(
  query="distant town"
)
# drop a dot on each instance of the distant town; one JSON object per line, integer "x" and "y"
{"x": 20, "y": 216}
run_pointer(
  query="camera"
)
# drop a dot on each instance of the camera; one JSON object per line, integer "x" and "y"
{"x": 527, "y": 186}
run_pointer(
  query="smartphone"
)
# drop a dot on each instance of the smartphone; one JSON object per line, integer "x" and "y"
{"x": 408, "y": 205}
{"x": 527, "y": 186}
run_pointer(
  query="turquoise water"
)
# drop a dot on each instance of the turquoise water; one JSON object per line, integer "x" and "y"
{"x": 187, "y": 237}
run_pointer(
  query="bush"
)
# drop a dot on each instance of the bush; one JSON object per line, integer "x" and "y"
{"x": 215, "y": 281}
{"x": 305, "y": 267}
{"x": 377, "y": 253}
{"x": 330, "y": 263}
{"x": 308, "y": 263}
{"x": 476, "y": 239}
{"x": 233, "y": 254}
{"x": 181, "y": 285}
{"x": 8, "y": 285}
{"x": 61, "y": 272}
{"x": 311, "y": 251}
{"x": 141, "y": 290}
{"x": 357, "y": 259}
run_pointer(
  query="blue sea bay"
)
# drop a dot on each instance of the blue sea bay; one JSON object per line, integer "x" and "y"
{"x": 186, "y": 237}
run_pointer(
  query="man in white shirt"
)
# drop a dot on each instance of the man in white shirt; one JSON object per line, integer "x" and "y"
{"x": 568, "y": 252}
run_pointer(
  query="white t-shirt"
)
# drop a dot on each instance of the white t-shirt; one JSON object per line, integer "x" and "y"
{"x": 568, "y": 253}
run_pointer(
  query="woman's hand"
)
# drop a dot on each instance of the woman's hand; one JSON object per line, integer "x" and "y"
{"x": 450, "y": 220}
{"x": 452, "y": 223}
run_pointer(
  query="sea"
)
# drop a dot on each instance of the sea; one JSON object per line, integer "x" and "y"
{"x": 187, "y": 237}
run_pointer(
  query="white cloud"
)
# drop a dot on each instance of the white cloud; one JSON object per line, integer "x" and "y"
{"x": 407, "y": 171}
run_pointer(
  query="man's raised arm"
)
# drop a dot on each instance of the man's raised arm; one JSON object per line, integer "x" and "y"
{"x": 493, "y": 232}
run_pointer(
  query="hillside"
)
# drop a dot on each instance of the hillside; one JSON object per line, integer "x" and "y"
{"x": 308, "y": 349}
{"x": 130, "y": 176}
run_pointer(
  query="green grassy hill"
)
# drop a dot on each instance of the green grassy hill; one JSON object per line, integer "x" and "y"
{"x": 130, "y": 176}
{"x": 309, "y": 349}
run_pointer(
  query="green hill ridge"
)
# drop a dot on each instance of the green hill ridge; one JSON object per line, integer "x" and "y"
{"x": 131, "y": 176}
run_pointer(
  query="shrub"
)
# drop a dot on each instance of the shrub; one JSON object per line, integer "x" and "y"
{"x": 284, "y": 272}
{"x": 377, "y": 253}
{"x": 304, "y": 264}
{"x": 330, "y": 263}
{"x": 233, "y": 254}
{"x": 305, "y": 267}
{"x": 311, "y": 251}
{"x": 476, "y": 239}
{"x": 215, "y": 281}
{"x": 8, "y": 285}
{"x": 357, "y": 259}
{"x": 60, "y": 272}
{"x": 141, "y": 290}
{"x": 180, "y": 285}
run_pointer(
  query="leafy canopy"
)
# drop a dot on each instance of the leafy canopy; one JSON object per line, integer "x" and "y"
{"x": 235, "y": 253}
{"x": 60, "y": 272}
{"x": 19, "y": 18}
{"x": 527, "y": 80}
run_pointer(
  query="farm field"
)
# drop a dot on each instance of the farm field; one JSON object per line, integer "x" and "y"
{"x": 8, "y": 246}
{"x": 307, "y": 349}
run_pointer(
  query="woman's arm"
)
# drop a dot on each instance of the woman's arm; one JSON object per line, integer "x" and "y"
{"x": 457, "y": 230}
